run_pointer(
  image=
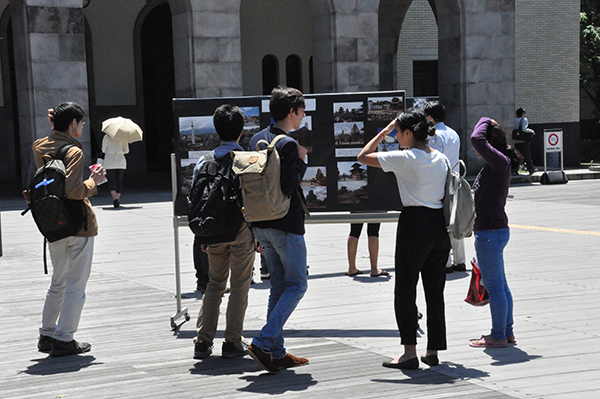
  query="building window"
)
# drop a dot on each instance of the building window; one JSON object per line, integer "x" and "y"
{"x": 293, "y": 72}
{"x": 270, "y": 73}
{"x": 425, "y": 78}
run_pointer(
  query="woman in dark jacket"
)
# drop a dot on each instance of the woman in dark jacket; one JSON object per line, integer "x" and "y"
{"x": 491, "y": 226}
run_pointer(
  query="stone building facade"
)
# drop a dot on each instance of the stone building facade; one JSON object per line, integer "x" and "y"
{"x": 131, "y": 57}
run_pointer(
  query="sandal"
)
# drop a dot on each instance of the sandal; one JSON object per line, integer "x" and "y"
{"x": 356, "y": 273}
{"x": 382, "y": 273}
{"x": 484, "y": 343}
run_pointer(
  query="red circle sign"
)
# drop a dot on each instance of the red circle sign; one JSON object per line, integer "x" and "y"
{"x": 553, "y": 139}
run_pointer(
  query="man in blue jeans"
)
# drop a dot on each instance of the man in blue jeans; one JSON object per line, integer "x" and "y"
{"x": 283, "y": 239}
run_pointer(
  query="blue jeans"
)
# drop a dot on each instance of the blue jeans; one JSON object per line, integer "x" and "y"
{"x": 286, "y": 261}
{"x": 489, "y": 246}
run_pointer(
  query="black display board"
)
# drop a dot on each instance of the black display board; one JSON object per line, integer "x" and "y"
{"x": 336, "y": 128}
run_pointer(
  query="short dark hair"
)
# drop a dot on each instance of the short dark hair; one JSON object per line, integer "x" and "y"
{"x": 436, "y": 110}
{"x": 520, "y": 112}
{"x": 283, "y": 99}
{"x": 414, "y": 120}
{"x": 229, "y": 122}
{"x": 64, "y": 114}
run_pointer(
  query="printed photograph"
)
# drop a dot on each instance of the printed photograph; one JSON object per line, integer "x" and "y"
{"x": 303, "y": 134}
{"x": 187, "y": 173}
{"x": 348, "y": 112}
{"x": 314, "y": 185}
{"x": 389, "y": 143}
{"x": 349, "y": 133}
{"x": 352, "y": 183}
{"x": 197, "y": 133}
{"x": 384, "y": 109}
{"x": 251, "y": 125}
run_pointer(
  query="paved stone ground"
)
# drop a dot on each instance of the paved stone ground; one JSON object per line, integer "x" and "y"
{"x": 344, "y": 325}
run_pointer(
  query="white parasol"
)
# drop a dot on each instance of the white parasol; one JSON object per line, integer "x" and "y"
{"x": 122, "y": 129}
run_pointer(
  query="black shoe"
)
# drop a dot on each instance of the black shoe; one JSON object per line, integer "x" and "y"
{"x": 450, "y": 269}
{"x": 116, "y": 203}
{"x": 262, "y": 358}
{"x": 62, "y": 348}
{"x": 202, "y": 350}
{"x": 45, "y": 343}
{"x": 461, "y": 267}
{"x": 431, "y": 360}
{"x": 532, "y": 171}
{"x": 410, "y": 364}
{"x": 231, "y": 350}
{"x": 201, "y": 286}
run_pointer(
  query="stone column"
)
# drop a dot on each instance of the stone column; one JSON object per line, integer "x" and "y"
{"x": 217, "y": 48}
{"x": 356, "y": 54}
{"x": 50, "y": 67}
{"x": 477, "y": 64}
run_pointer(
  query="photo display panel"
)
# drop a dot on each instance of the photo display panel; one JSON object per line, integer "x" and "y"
{"x": 335, "y": 129}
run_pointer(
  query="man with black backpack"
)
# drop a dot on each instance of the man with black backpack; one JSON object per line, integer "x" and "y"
{"x": 71, "y": 256}
{"x": 215, "y": 217}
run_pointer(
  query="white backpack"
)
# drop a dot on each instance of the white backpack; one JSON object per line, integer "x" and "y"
{"x": 459, "y": 205}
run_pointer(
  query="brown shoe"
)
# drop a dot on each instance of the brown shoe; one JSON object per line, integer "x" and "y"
{"x": 290, "y": 361}
{"x": 263, "y": 358}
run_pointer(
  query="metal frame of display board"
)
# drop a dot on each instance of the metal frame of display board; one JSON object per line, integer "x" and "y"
{"x": 320, "y": 217}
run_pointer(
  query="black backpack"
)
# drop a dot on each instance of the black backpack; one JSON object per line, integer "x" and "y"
{"x": 55, "y": 215}
{"x": 214, "y": 213}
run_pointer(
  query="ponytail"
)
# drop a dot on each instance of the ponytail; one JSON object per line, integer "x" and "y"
{"x": 414, "y": 120}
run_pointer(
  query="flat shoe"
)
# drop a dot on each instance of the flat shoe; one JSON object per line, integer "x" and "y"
{"x": 354, "y": 274}
{"x": 431, "y": 360}
{"x": 410, "y": 364}
{"x": 483, "y": 343}
{"x": 383, "y": 273}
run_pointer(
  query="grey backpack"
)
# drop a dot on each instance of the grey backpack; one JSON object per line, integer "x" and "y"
{"x": 459, "y": 205}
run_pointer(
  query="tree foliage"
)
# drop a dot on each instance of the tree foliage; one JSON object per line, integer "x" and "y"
{"x": 590, "y": 51}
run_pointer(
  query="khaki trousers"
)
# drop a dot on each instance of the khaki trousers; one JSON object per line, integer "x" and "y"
{"x": 236, "y": 257}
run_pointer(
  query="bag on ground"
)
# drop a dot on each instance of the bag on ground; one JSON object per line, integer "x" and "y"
{"x": 214, "y": 213}
{"x": 259, "y": 173}
{"x": 55, "y": 215}
{"x": 477, "y": 294}
{"x": 459, "y": 205}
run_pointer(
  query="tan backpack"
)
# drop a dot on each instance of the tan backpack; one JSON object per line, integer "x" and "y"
{"x": 259, "y": 174}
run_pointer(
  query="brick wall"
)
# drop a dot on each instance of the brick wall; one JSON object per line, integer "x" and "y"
{"x": 418, "y": 42}
{"x": 547, "y": 60}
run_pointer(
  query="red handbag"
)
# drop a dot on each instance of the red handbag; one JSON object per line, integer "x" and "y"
{"x": 477, "y": 295}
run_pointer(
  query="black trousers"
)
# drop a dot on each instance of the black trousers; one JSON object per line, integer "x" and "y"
{"x": 422, "y": 248}
{"x": 524, "y": 148}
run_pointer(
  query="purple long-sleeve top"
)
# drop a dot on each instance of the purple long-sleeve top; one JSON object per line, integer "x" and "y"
{"x": 492, "y": 182}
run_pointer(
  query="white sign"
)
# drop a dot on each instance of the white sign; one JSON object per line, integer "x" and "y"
{"x": 553, "y": 140}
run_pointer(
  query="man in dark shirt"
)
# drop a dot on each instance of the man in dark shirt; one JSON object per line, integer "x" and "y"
{"x": 283, "y": 239}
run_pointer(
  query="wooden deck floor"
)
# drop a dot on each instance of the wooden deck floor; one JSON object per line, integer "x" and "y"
{"x": 344, "y": 325}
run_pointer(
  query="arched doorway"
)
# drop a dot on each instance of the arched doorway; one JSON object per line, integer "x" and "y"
{"x": 10, "y": 151}
{"x": 450, "y": 48}
{"x": 157, "y": 82}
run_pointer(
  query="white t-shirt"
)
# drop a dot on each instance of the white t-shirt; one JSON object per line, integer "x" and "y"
{"x": 421, "y": 176}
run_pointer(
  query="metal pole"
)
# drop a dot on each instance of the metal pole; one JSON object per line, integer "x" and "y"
{"x": 180, "y": 312}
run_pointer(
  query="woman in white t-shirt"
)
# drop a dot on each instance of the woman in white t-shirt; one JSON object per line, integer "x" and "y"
{"x": 115, "y": 164}
{"x": 422, "y": 243}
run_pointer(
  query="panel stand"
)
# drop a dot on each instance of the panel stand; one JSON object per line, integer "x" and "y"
{"x": 176, "y": 223}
